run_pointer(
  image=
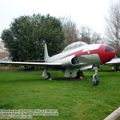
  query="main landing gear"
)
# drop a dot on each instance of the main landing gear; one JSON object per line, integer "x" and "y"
{"x": 95, "y": 80}
{"x": 80, "y": 75}
{"x": 71, "y": 73}
{"x": 75, "y": 74}
{"x": 46, "y": 75}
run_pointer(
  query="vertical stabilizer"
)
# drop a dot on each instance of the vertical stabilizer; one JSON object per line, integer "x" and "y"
{"x": 46, "y": 56}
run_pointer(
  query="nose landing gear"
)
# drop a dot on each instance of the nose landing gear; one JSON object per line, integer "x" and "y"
{"x": 95, "y": 80}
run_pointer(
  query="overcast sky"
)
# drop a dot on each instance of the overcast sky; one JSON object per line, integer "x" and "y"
{"x": 89, "y": 13}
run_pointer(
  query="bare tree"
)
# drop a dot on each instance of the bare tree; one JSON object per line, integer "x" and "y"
{"x": 113, "y": 26}
{"x": 72, "y": 34}
{"x": 70, "y": 31}
{"x": 96, "y": 38}
{"x": 86, "y": 35}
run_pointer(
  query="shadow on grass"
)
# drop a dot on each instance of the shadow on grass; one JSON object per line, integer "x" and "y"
{"x": 20, "y": 80}
{"x": 66, "y": 79}
{"x": 38, "y": 81}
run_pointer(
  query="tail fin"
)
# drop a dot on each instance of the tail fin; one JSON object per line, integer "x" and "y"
{"x": 46, "y": 56}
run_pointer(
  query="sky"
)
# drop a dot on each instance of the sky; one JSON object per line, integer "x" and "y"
{"x": 90, "y": 13}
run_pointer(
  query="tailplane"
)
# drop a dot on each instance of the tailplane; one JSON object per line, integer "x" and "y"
{"x": 46, "y": 56}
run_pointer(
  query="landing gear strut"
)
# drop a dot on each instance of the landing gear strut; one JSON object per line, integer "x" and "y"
{"x": 46, "y": 75}
{"x": 80, "y": 75}
{"x": 95, "y": 80}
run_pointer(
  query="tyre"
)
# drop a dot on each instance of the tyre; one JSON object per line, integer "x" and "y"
{"x": 95, "y": 80}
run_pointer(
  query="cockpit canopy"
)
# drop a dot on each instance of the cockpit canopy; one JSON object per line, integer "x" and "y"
{"x": 74, "y": 45}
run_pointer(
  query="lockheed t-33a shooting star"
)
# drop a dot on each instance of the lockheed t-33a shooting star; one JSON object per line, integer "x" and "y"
{"x": 76, "y": 57}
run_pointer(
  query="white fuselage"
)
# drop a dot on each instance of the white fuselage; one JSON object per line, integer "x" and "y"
{"x": 71, "y": 53}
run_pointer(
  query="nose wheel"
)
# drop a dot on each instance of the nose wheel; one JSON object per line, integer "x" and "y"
{"x": 95, "y": 80}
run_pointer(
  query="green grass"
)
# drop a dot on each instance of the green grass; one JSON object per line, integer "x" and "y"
{"x": 74, "y": 99}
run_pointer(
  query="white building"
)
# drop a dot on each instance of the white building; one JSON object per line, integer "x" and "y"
{"x": 3, "y": 51}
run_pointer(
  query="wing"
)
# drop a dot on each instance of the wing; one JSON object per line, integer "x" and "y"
{"x": 113, "y": 61}
{"x": 86, "y": 67}
{"x": 79, "y": 62}
{"x": 31, "y": 63}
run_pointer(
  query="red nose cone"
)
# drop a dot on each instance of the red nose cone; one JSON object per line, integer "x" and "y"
{"x": 107, "y": 53}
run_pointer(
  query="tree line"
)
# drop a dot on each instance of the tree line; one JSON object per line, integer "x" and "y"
{"x": 25, "y": 35}
{"x": 24, "y": 39}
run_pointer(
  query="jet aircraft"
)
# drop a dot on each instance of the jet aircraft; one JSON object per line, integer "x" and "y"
{"x": 76, "y": 57}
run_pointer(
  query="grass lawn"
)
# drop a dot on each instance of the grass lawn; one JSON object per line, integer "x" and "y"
{"x": 74, "y": 99}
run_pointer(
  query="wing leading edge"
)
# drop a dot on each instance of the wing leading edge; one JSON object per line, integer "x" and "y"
{"x": 30, "y": 63}
{"x": 114, "y": 61}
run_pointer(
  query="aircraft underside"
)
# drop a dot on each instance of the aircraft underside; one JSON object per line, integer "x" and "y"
{"x": 73, "y": 73}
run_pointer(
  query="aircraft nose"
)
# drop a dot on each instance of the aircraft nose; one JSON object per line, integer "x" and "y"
{"x": 108, "y": 53}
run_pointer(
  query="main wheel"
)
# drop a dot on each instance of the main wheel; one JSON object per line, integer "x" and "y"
{"x": 79, "y": 75}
